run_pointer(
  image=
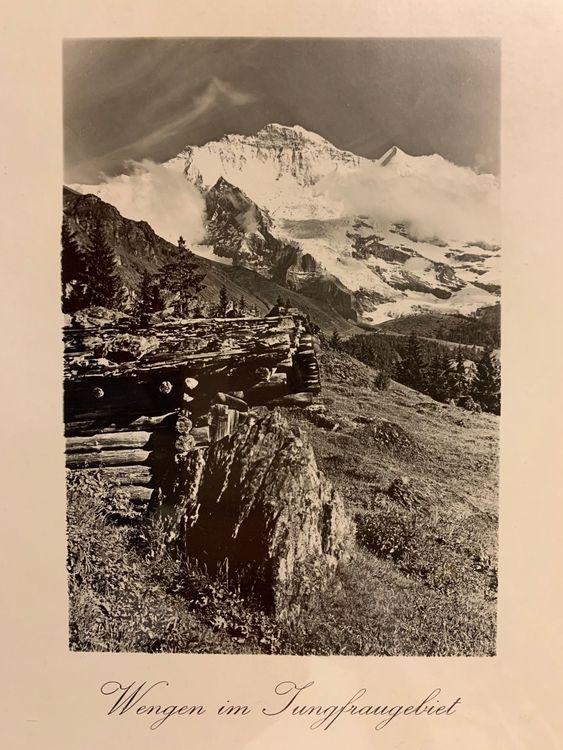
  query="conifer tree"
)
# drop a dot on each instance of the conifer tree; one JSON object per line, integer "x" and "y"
{"x": 459, "y": 384}
{"x": 486, "y": 385}
{"x": 242, "y": 307}
{"x": 412, "y": 368}
{"x": 104, "y": 285}
{"x": 74, "y": 272}
{"x": 439, "y": 376}
{"x": 385, "y": 369}
{"x": 335, "y": 340}
{"x": 182, "y": 277}
{"x": 149, "y": 299}
{"x": 223, "y": 304}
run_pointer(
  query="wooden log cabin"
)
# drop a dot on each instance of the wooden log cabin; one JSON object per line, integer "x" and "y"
{"x": 136, "y": 400}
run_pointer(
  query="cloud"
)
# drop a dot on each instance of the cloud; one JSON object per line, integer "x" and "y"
{"x": 435, "y": 199}
{"x": 160, "y": 196}
{"x": 217, "y": 93}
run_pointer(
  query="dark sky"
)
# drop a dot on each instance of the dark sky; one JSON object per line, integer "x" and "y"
{"x": 148, "y": 98}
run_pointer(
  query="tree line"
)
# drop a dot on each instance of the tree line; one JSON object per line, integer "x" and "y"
{"x": 469, "y": 377}
{"x": 90, "y": 277}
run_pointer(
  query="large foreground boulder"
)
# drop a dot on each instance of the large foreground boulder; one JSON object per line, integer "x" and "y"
{"x": 255, "y": 505}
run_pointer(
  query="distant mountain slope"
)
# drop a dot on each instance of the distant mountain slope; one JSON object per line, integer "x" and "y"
{"x": 482, "y": 328}
{"x": 138, "y": 248}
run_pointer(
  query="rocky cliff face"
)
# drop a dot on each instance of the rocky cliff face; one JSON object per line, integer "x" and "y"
{"x": 238, "y": 229}
{"x": 136, "y": 245}
{"x": 256, "y": 503}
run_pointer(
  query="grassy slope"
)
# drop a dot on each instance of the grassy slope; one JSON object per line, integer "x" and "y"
{"x": 439, "y": 596}
{"x": 481, "y": 328}
{"x": 457, "y": 463}
{"x": 264, "y": 293}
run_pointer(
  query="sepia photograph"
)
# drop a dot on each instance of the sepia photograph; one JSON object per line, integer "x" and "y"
{"x": 281, "y": 294}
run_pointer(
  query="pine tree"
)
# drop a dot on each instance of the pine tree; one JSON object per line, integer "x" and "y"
{"x": 459, "y": 384}
{"x": 223, "y": 304}
{"x": 242, "y": 307}
{"x": 74, "y": 272}
{"x": 486, "y": 385}
{"x": 312, "y": 327}
{"x": 182, "y": 277}
{"x": 411, "y": 370}
{"x": 385, "y": 369}
{"x": 105, "y": 286}
{"x": 149, "y": 298}
{"x": 200, "y": 310}
{"x": 439, "y": 376}
{"x": 335, "y": 340}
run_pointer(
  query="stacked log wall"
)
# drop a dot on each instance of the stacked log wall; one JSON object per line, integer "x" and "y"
{"x": 135, "y": 402}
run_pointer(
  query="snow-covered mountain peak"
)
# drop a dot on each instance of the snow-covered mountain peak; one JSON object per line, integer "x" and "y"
{"x": 278, "y": 167}
{"x": 434, "y": 168}
{"x": 394, "y": 154}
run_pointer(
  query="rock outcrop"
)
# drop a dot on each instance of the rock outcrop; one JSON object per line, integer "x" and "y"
{"x": 255, "y": 504}
{"x": 238, "y": 229}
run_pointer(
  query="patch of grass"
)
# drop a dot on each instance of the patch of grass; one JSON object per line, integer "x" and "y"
{"x": 374, "y": 611}
{"x": 446, "y": 554}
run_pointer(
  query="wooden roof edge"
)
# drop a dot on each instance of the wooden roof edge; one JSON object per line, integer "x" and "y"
{"x": 177, "y": 324}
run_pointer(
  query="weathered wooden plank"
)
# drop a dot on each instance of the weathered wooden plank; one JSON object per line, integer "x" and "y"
{"x": 223, "y": 421}
{"x": 232, "y": 401}
{"x": 108, "y": 441}
{"x": 123, "y": 475}
{"x": 232, "y": 360}
{"x": 150, "y": 424}
{"x": 293, "y": 399}
{"x": 107, "y": 458}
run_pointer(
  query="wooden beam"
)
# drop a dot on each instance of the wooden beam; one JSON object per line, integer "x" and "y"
{"x": 91, "y": 427}
{"x": 107, "y": 458}
{"x": 108, "y": 440}
{"x": 292, "y": 399}
{"x": 232, "y": 401}
{"x": 123, "y": 475}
